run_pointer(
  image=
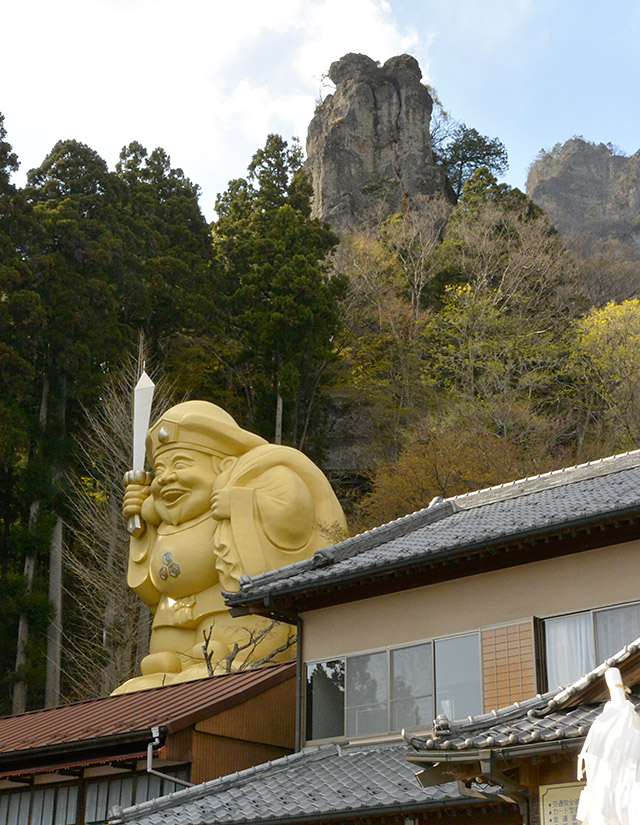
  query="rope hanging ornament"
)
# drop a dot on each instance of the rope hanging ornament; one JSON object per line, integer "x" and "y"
{"x": 610, "y": 758}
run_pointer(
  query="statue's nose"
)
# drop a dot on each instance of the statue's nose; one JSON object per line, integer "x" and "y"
{"x": 167, "y": 476}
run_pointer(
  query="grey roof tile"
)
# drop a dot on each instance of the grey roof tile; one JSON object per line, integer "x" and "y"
{"x": 590, "y": 492}
{"x": 559, "y": 714}
{"x": 314, "y": 783}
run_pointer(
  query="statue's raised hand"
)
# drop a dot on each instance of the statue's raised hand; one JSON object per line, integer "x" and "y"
{"x": 134, "y": 498}
{"x": 137, "y": 490}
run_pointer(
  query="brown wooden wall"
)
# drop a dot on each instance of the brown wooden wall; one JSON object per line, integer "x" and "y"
{"x": 178, "y": 746}
{"x": 248, "y": 734}
{"x": 215, "y": 756}
{"x": 508, "y": 664}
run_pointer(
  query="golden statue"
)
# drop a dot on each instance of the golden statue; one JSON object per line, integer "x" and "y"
{"x": 222, "y": 502}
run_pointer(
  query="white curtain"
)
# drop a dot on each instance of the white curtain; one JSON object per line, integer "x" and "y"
{"x": 569, "y": 648}
{"x": 615, "y": 628}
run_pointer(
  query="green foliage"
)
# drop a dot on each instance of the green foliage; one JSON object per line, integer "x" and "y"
{"x": 466, "y": 151}
{"x": 280, "y": 306}
{"x": 380, "y": 388}
{"x": 608, "y": 350}
{"x": 165, "y": 249}
{"x": 492, "y": 390}
{"x": 87, "y": 256}
{"x": 445, "y": 351}
{"x": 74, "y": 199}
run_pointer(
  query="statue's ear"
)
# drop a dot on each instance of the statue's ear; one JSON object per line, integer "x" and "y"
{"x": 228, "y": 463}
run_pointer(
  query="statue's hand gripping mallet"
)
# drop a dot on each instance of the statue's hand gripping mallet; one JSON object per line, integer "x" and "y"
{"x": 142, "y": 398}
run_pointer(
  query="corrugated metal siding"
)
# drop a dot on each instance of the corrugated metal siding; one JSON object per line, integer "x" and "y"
{"x": 175, "y": 705}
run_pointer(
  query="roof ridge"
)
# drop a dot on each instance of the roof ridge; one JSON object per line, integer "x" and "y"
{"x": 234, "y": 779}
{"x": 440, "y": 508}
{"x": 552, "y": 478}
{"x": 146, "y": 691}
{"x": 355, "y": 544}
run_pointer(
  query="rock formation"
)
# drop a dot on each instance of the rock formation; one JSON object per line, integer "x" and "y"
{"x": 368, "y": 145}
{"x": 587, "y": 188}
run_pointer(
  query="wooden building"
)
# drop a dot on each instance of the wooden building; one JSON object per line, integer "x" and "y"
{"x": 70, "y": 765}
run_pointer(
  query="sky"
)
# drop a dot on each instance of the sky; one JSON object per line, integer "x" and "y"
{"x": 208, "y": 80}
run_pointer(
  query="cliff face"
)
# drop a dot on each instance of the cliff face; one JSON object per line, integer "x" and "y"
{"x": 368, "y": 145}
{"x": 585, "y": 188}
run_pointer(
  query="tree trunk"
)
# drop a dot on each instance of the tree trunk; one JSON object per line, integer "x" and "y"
{"x": 278, "y": 435}
{"x": 111, "y": 671}
{"x": 20, "y": 687}
{"x": 54, "y": 631}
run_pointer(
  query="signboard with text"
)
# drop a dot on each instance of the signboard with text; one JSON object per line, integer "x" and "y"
{"x": 559, "y": 803}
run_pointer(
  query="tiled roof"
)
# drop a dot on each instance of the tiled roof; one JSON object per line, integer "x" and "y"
{"x": 318, "y": 783}
{"x": 559, "y": 716}
{"x": 590, "y": 493}
{"x": 175, "y": 706}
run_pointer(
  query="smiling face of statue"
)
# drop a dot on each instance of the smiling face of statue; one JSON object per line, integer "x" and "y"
{"x": 183, "y": 484}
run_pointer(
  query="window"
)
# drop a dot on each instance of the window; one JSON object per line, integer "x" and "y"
{"x": 387, "y": 690}
{"x": 366, "y": 699}
{"x": 411, "y": 701}
{"x": 325, "y": 699}
{"x": 458, "y": 689}
{"x": 575, "y": 644}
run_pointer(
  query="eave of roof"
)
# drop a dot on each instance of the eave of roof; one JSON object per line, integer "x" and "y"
{"x": 606, "y": 495}
{"x": 320, "y": 784}
{"x": 129, "y": 745}
{"x": 117, "y": 725}
{"x": 555, "y": 721}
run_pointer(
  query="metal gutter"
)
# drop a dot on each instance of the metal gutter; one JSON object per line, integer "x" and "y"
{"x": 513, "y": 751}
{"x": 154, "y": 743}
{"x": 114, "y": 745}
{"x": 300, "y": 693}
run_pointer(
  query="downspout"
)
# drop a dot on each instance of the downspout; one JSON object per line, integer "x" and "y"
{"x": 299, "y": 683}
{"x": 155, "y": 732}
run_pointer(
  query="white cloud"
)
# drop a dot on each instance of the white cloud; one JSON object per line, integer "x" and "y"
{"x": 335, "y": 27}
{"x": 206, "y": 80}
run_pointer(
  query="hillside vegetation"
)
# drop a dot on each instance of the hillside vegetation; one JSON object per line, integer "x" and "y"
{"x": 442, "y": 349}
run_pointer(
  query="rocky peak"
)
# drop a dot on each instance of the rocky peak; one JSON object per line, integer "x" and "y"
{"x": 588, "y": 188}
{"x": 369, "y": 145}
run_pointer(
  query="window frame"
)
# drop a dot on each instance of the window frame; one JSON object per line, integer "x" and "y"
{"x": 305, "y": 699}
{"x": 589, "y": 611}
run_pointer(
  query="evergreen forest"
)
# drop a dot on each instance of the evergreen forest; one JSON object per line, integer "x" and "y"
{"x": 450, "y": 347}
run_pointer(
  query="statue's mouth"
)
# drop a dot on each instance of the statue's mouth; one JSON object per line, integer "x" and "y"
{"x": 170, "y": 496}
